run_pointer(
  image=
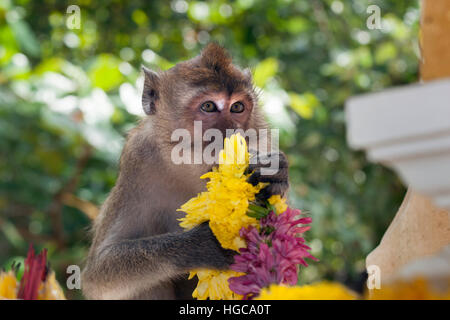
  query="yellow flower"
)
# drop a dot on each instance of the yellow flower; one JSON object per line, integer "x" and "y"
{"x": 279, "y": 203}
{"x": 213, "y": 284}
{"x": 225, "y": 205}
{"x": 50, "y": 289}
{"x": 8, "y": 285}
{"x": 417, "y": 289}
{"x": 235, "y": 153}
{"x": 226, "y": 200}
{"x": 318, "y": 291}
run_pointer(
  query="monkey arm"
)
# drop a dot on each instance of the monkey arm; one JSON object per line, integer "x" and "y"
{"x": 128, "y": 266}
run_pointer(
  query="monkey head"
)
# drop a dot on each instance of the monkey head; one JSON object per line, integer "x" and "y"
{"x": 207, "y": 88}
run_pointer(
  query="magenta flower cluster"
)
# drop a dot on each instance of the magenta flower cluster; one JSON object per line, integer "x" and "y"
{"x": 272, "y": 253}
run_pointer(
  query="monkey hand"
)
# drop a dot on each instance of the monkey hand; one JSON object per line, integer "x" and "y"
{"x": 208, "y": 251}
{"x": 271, "y": 168}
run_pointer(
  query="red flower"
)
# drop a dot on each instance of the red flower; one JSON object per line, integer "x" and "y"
{"x": 35, "y": 273}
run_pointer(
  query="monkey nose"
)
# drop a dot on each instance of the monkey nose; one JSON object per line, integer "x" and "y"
{"x": 227, "y": 127}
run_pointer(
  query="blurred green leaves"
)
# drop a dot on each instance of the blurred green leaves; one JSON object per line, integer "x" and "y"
{"x": 385, "y": 52}
{"x": 265, "y": 70}
{"x": 104, "y": 72}
{"x": 23, "y": 34}
{"x": 64, "y": 92}
{"x": 304, "y": 105}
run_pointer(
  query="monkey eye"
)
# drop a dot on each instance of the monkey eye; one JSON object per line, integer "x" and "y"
{"x": 208, "y": 106}
{"x": 237, "y": 107}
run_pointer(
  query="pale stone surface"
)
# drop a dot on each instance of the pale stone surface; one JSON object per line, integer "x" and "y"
{"x": 415, "y": 140}
{"x": 397, "y": 117}
{"x": 419, "y": 229}
{"x": 436, "y": 269}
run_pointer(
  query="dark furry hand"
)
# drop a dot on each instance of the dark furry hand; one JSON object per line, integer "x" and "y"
{"x": 279, "y": 183}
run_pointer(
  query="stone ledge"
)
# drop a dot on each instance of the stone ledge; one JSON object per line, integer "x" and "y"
{"x": 407, "y": 129}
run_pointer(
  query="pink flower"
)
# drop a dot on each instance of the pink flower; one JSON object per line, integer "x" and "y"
{"x": 272, "y": 253}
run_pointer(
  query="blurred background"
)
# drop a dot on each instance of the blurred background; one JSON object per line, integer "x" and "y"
{"x": 68, "y": 97}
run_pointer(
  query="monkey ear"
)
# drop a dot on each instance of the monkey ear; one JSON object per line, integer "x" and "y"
{"x": 150, "y": 94}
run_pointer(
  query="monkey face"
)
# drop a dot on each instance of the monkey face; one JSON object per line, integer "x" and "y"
{"x": 221, "y": 110}
{"x": 207, "y": 89}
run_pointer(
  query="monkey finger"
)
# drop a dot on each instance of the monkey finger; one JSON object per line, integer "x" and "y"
{"x": 268, "y": 160}
{"x": 279, "y": 177}
{"x": 273, "y": 189}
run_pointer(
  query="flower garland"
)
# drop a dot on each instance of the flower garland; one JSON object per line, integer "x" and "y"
{"x": 227, "y": 198}
{"x": 265, "y": 235}
{"x": 38, "y": 281}
{"x": 272, "y": 254}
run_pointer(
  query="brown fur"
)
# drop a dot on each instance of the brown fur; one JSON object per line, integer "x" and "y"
{"x": 138, "y": 249}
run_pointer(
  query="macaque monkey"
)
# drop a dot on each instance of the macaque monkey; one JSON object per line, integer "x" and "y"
{"x": 139, "y": 251}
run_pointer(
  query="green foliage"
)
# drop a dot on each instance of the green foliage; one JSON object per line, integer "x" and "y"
{"x": 264, "y": 71}
{"x": 68, "y": 97}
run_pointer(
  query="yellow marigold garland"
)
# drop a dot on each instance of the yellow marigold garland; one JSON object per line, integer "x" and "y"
{"x": 225, "y": 205}
{"x": 318, "y": 291}
{"x": 227, "y": 197}
{"x": 213, "y": 284}
{"x": 279, "y": 203}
